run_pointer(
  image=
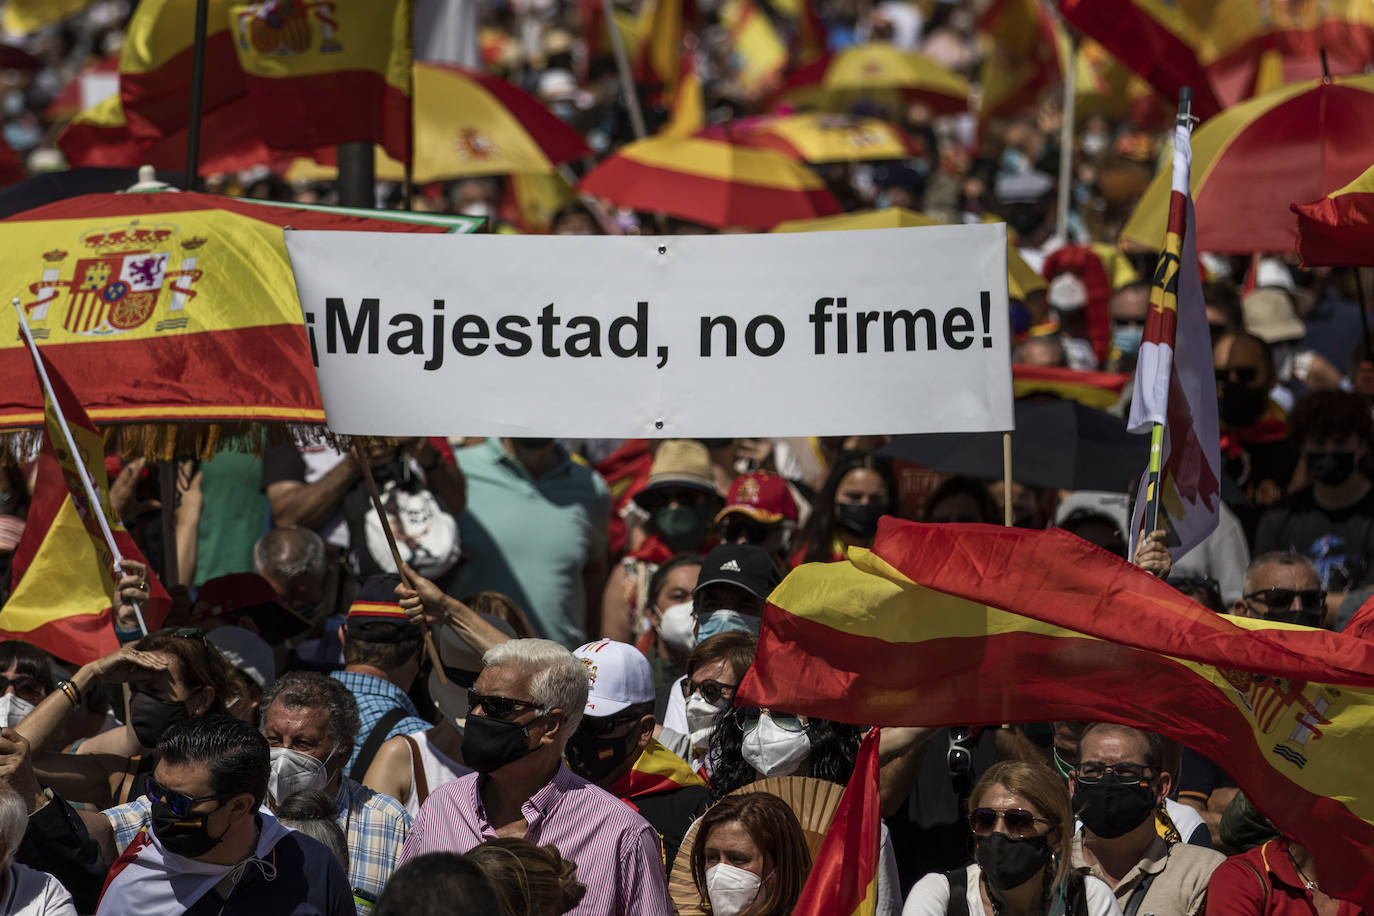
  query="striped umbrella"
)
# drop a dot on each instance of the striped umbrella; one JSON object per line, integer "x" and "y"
{"x": 469, "y": 124}
{"x": 877, "y": 72}
{"x": 818, "y": 137}
{"x": 1022, "y": 279}
{"x": 1338, "y": 230}
{"x": 710, "y": 182}
{"x": 1295, "y": 143}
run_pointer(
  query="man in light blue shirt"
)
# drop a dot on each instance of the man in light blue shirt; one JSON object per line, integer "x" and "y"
{"x": 535, "y": 529}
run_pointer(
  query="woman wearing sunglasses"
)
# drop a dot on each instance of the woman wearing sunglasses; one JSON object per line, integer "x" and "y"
{"x": 172, "y": 675}
{"x": 1023, "y": 841}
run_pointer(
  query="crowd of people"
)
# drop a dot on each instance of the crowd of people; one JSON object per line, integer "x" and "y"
{"x": 536, "y": 714}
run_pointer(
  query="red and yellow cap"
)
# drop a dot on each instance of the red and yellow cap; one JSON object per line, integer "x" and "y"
{"x": 763, "y": 496}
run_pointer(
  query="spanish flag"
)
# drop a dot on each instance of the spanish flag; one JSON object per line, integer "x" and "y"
{"x": 63, "y": 568}
{"x": 760, "y": 54}
{"x": 24, "y": 17}
{"x": 1026, "y": 54}
{"x": 844, "y": 877}
{"x": 657, "y": 770}
{"x": 980, "y": 625}
{"x": 658, "y": 37}
{"x": 1099, "y": 390}
{"x": 687, "y": 116}
{"x": 324, "y": 73}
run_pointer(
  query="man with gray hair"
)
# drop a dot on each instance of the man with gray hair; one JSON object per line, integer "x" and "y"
{"x": 1283, "y": 586}
{"x": 524, "y": 706}
{"x": 293, "y": 561}
{"x": 24, "y": 890}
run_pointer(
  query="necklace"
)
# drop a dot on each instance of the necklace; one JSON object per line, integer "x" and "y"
{"x": 1309, "y": 883}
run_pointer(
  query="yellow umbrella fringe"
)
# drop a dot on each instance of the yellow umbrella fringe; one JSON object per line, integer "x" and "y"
{"x": 164, "y": 441}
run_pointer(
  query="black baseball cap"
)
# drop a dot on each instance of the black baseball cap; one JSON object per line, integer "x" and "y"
{"x": 743, "y": 565}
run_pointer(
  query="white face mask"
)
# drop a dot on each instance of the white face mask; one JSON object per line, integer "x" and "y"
{"x": 701, "y": 720}
{"x": 676, "y": 626}
{"x": 772, "y": 749}
{"x": 730, "y": 889}
{"x": 292, "y": 772}
{"x": 13, "y": 709}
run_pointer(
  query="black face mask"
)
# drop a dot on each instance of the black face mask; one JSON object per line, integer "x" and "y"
{"x": 184, "y": 836}
{"x": 1009, "y": 863}
{"x": 1331, "y": 468}
{"x": 533, "y": 444}
{"x": 150, "y": 717}
{"x": 860, "y": 520}
{"x": 1111, "y": 809}
{"x": 593, "y": 757}
{"x": 489, "y": 744}
{"x": 1241, "y": 405}
{"x": 681, "y": 527}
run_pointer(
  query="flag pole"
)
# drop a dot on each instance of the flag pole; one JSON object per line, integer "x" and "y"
{"x": 197, "y": 97}
{"x": 1184, "y": 120}
{"x": 376, "y": 495}
{"x": 622, "y": 66}
{"x": 1066, "y": 135}
{"x": 92, "y": 497}
{"x": 1006, "y": 479}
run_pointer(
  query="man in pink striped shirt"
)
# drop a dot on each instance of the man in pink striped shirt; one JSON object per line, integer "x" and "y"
{"x": 523, "y": 708}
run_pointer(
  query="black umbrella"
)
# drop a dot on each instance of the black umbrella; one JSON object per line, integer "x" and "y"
{"x": 50, "y": 187}
{"x": 1057, "y": 443}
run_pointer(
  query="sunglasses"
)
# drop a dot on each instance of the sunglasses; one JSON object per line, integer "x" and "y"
{"x": 1124, "y": 773}
{"x": 503, "y": 708}
{"x": 600, "y": 726}
{"x": 1243, "y": 374}
{"x": 712, "y": 692}
{"x": 1020, "y": 822}
{"x": 179, "y": 802}
{"x": 747, "y": 530}
{"x": 785, "y": 721}
{"x": 23, "y": 685}
{"x": 1310, "y": 599}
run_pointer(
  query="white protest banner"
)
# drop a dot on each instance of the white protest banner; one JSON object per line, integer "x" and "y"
{"x": 818, "y": 333}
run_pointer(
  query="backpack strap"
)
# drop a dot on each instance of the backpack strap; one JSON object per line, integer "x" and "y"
{"x": 374, "y": 742}
{"x": 958, "y": 892}
{"x": 1075, "y": 894}
{"x": 1264, "y": 885}
{"x": 417, "y": 767}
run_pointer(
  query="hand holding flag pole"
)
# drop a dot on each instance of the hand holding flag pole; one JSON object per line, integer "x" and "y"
{"x": 92, "y": 497}
{"x": 1184, "y": 122}
{"x": 361, "y": 458}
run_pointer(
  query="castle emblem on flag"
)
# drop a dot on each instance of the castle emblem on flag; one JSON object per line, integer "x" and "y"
{"x": 1274, "y": 703}
{"x": 117, "y": 281}
{"x": 283, "y": 27}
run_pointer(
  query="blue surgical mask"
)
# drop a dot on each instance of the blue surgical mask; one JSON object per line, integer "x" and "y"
{"x": 721, "y": 621}
{"x": 1126, "y": 338}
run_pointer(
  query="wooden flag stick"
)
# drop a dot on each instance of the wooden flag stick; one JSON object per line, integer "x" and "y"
{"x": 395, "y": 551}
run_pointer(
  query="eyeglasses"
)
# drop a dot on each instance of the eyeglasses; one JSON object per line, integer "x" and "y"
{"x": 1020, "y": 822}
{"x": 24, "y": 686}
{"x": 785, "y": 721}
{"x": 747, "y": 530}
{"x": 503, "y": 708}
{"x": 1311, "y": 599}
{"x": 1244, "y": 374}
{"x": 179, "y": 802}
{"x": 1125, "y": 773}
{"x": 712, "y": 692}
{"x": 601, "y": 726}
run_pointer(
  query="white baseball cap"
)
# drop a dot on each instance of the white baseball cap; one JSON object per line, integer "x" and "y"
{"x": 619, "y": 677}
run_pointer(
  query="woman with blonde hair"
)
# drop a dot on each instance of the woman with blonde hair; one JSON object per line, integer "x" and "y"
{"x": 530, "y": 880}
{"x": 1023, "y": 843}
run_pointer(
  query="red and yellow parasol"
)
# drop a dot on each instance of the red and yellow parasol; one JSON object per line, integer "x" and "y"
{"x": 1296, "y": 143}
{"x": 820, "y": 137}
{"x": 710, "y": 182}
{"x": 877, "y": 72}
{"x": 1338, "y": 230}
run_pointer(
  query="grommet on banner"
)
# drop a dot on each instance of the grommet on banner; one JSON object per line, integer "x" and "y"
{"x": 658, "y": 424}
{"x": 662, "y": 249}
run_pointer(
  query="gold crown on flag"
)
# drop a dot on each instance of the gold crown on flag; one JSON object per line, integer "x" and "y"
{"x": 130, "y": 238}
{"x": 56, "y": 254}
{"x": 192, "y": 244}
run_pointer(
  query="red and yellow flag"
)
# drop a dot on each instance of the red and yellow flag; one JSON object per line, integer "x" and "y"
{"x": 1025, "y": 56}
{"x": 657, "y": 770}
{"x": 1099, "y": 390}
{"x": 24, "y": 17}
{"x": 979, "y": 625}
{"x": 1338, "y": 229}
{"x": 759, "y": 52}
{"x": 322, "y": 72}
{"x": 844, "y": 877}
{"x": 687, "y": 116}
{"x": 63, "y": 568}
{"x": 658, "y": 39}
